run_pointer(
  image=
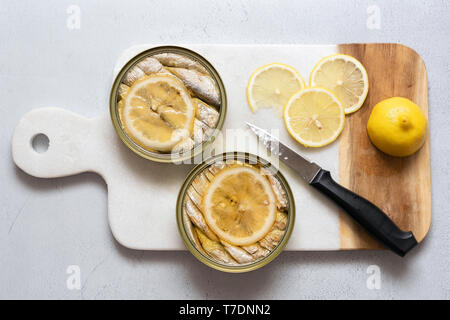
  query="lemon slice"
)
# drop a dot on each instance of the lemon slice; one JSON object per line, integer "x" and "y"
{"x": 239, "y": 205}
{"x": 314, "y": 117}
{"x": 272, "y": 85}
{"x": 158, "y": 112}
{"x": 345, "y": 77}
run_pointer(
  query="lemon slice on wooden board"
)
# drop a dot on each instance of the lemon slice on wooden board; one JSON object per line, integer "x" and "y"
{"x": 272, "y": 85}
{"x": 158, "y": 112}
{"x": 345, "y": 77}
{"x": 239, "y": 205}
{"x": 314, "y": 117}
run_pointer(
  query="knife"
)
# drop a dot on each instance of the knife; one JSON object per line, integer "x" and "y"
{"x": 368, "y": 215}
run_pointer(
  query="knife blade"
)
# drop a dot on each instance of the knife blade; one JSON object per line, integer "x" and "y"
{"x": 368, "y": 215}
{"x": 303, "y": 166}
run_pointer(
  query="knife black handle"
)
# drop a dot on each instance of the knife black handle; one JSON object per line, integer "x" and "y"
{"x": 369, "y": 216}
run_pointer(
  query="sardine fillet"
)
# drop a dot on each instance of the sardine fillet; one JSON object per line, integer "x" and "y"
{"x": 198, "y": 132}
{"x": 197, "y": 219}
{"x": 278, "y": 190}
{"x": 281, "y": 220}
{"x": 123, "y": 89}
{"x": 207, "y": 114}
{"x": 209, "y": 175}
{"x": 237, "y": 253}
{"x": 179, "y": 61}
{"x": 256, "y": 250}
{"x": 201, "y": 131}
{"x": 183, "y": 146}
{"x": 190, "y": 231}
{"x": 216, "y": 167}
{"x": 194, "y": 196}
{"x": 272, "y": 239}
{"x": 201, "y": 85}
{"x": 200, "y": 183}
{"x": 147, "y": 66}
{"x": 133, "y": 75}
{"x": 150, "y": 65}
{"x": 215, "y": 249}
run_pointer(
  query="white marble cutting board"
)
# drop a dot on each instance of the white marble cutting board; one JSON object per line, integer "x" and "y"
{"x": 141, "y": 193}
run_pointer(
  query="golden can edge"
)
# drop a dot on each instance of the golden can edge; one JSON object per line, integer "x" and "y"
{"x": 193, "y": 249}
{"x": 166, "y": 158}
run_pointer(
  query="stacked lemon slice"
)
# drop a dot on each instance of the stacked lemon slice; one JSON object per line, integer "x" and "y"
{"x": 158, "y": 112}
{"x": 239, "y": 205}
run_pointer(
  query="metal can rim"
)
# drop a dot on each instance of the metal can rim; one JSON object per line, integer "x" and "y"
{"x": 167, "y": 158}
{"x": 247, "y": 267}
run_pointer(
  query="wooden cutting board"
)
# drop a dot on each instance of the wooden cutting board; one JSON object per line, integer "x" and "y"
{"x": 142, "y": 194}
{"x": 399, "y": 186}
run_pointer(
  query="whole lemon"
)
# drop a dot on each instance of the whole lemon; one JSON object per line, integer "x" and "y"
{"x": 397, "y": 126}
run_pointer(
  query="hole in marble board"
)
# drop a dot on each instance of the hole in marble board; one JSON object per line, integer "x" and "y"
{"x": 40, "y": 143}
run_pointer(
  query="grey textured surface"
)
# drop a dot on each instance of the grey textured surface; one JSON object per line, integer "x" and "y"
{"x": 47, "y": 225}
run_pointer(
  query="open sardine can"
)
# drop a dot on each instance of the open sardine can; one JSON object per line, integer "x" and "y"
{"x": 235, "y": 212}
{"x": 167, "y": 104}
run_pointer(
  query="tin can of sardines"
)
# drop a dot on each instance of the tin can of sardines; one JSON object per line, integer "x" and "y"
{"x": 167, "y": 103}
{"x": 235, "y": 212}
